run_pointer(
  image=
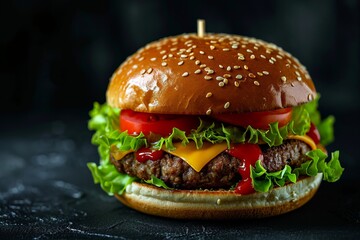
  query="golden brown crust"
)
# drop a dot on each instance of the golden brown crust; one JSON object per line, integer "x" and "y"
{"x": 218, "y": 73}
{"x": 197, "y": 204}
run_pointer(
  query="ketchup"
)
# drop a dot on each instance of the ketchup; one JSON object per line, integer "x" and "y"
{"x": 314, "y": 134}
{"x": 144, "y": 154}
{"x": 248, "y": 154}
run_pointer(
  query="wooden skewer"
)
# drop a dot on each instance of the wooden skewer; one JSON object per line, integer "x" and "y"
{"x": 201, "y": 27}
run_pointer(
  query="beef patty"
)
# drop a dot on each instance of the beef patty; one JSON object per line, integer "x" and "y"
{"x": 220, "y": 172}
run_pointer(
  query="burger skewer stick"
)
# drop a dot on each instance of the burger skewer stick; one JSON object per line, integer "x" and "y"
{"x": 201, "y": 27}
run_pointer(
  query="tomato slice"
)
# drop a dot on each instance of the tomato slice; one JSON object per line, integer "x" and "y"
{"x": 259, "y": 120}
{"x": 314, "y": 133}
{"x": 162, "y": 124}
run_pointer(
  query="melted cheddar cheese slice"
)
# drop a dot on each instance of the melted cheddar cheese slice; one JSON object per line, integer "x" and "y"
{"x": 198, "y": 158}
{"x": 306, "y": 139}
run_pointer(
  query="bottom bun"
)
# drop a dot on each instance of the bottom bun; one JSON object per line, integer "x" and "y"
{"x": 219, "y": 204}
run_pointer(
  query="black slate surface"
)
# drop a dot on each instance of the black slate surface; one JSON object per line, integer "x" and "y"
{"x": 46, "y": 192}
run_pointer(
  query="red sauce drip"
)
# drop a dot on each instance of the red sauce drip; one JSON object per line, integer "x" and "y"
{"x": 248, "y": 155}
{"x": 314, "y": 134}
{"x": 144, "y": 154}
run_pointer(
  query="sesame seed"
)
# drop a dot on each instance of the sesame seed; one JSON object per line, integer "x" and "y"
{"x": 279, "y": 57}
{"x": 246, "y": 67}
{"x": 142, "y": 71}
{"x": 209, "y": 94}
{"x": 202, "y": 65}
{"x": 189, "y": 50}
{"x": 274, "y": 59}
{"x": 221, "y": 84}
{"x": 266, "y": 72}
{"x": 173, "y": 49}
{"x": 268, "y": 51}
{"x": 197, "y": 62}
{"x": 192, "y": 58}
{"x": 252, "y": 75}
{"x": 210, "y": 71}
{"x": 256, "y": 48}
{"x": 210, "y": 57}
{"x": 271, "y": 61}
{"x": 287, "y": 65}
{"x": 164, "y": 64}
{"x": 283, "y": 78}
{"x": 228, "y": 68}
{"x": 226, "y": 81}
{"x": 256, "y": 83}
{"x": 252, "y": 56}
{"x": 163, "y": 52}
{"x": 185, "y": 74}
{"x": 226, "y": 49}
{"x": 213, "y": 41}
{"x": 236, "y": 67}
{"x": 299, "y": 78}
{"x": 297, "y": 73}
{"x": 149, "y": 70}
{"x": 197, "y": 71}
{"x": 170, "y": 55}
{"x": 212, "y": 47}
{"x": 183, "y": 56}
{"x": 260, "y": 74}
{"x": 153, "y": 59}
{"x": 239, "y": 76}
{"x": 234, "y": 46}
{"x": 207, "y": 77}
{"x": 180, "y": 63}
{"x": 164, "y": 57}
{"x": 219, "y": 78}
{"x": 208, "y": 112}
{"x": 201, "y": 52}
{"x": 262, "y": 56}
{"x": 226, "y": 75}
{"x": 221, "y": 66}
{"x": 140, "y": 59}
{"x": 237, "y": 84}
{"x": 227, "y": 105}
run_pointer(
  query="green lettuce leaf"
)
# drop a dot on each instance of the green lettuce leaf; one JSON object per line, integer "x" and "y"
{"x": 157, "y": 182}
{"x": 263, "y": 181}
{"x": 110, "y": 180}
{"x": 325, "y": 126}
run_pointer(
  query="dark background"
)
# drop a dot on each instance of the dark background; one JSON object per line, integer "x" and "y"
{"x": 56, "y": 58}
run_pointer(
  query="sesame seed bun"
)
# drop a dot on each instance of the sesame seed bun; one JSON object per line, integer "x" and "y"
{"x": 213, "y": 74}
{"x": 197, "y": 204}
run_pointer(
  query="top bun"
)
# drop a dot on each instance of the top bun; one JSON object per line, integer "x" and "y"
{"x": 213, "y": 74}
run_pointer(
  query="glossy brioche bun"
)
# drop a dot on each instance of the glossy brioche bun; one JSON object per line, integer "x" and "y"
{"x": 214, "y": 74}
{"x": 198, "y": 204}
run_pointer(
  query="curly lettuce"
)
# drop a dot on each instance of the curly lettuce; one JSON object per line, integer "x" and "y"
{"x": 263, "y": 181}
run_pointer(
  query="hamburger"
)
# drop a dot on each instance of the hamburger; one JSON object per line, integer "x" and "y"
{"x": 212, "y": 126}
